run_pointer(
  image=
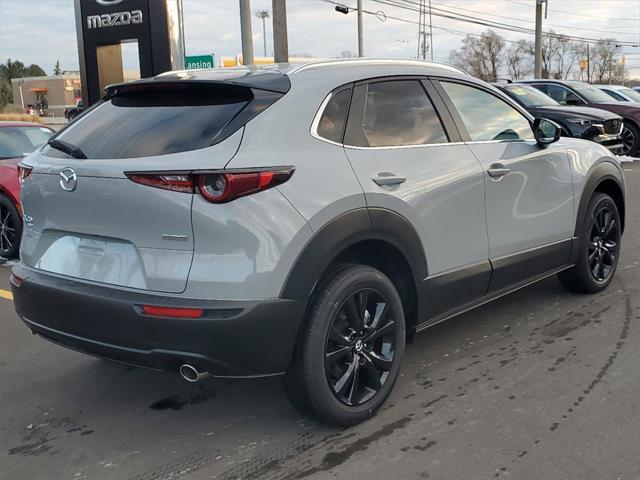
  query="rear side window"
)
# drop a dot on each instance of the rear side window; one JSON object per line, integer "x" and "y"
{"x": 334, "y": 117}
{"x": 485, "y": 116}
{"x": 150, "y": 122}
{"x": 394, "y": 113}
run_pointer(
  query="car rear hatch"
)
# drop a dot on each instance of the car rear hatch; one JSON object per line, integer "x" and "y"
{"x": 88, "y": 217}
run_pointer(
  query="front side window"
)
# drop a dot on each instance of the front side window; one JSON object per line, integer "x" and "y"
{"x": 334, "y": 116}
{"x": 485, "y": 116}
{"x": 396, "y": 113}
{"x": 560, "y": 93}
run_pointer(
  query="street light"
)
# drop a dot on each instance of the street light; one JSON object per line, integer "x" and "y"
{"x": 263, "y": 14}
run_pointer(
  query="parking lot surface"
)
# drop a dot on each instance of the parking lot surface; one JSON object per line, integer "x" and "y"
{"x": 541, "y": 384}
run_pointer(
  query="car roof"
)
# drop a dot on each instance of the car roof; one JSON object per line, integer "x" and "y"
{"x": 277, "y": 76}
{"x": 612, "y": 87}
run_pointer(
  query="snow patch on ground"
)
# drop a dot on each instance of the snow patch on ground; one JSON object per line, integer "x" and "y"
{"x": 625, "y": 159}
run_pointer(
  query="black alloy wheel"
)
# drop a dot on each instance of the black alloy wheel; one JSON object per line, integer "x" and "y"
{"x": 350, "y": 348}
{"x": 598, "y": 250}
{"x": 360, "y": 347}
{"x": 630, "y": 138}
{"x": 603, "y": 244}
{"x": 10, "y": 228}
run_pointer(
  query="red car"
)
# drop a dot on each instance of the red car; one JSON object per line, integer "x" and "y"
{"x": 17, "y": 139}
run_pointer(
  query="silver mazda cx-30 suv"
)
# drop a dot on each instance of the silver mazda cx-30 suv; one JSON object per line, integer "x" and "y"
{"x": 302, "y": 220}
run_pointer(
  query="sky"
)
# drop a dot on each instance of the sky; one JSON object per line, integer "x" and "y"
{"x": 43, "y": 31}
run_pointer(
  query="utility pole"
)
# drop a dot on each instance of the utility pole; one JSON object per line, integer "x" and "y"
{"x": 537, "y": 69}
{"x": 245, "y": 32}
{"x": 588, "y": 65}
{"x": 360, "y": 35}
{"x": 280, "y": 41}
{"x": 422, "y": 33}
{"x": 430, "y": 31}
{"x": 263, "y": 14}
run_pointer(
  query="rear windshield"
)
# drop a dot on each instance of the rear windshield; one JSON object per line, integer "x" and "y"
{"x": 19, "y": 141}
{"x": 148, "y": 122}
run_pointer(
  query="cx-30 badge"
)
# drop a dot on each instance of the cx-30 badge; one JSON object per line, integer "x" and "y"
{"x": 68, "y": 179}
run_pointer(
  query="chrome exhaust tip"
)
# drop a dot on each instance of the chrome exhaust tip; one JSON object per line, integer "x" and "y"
{"x": 191, "y": 373}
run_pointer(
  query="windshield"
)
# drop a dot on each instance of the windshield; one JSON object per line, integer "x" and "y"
{"x": 632, "y": 94}
{"x": 19, "y": 141}
{"x": 529, "y": 96}
{"x": 592, "y": 94}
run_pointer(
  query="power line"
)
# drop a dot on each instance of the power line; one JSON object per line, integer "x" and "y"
{"x": 410, "y": 5}
{"x": 528, "y": 21}
{"x": 391, "y": 17}
{"x": 577, "y": 14}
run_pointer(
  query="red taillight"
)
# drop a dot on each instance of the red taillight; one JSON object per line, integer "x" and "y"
{"x": 217, "y": 186}
{"x": 23, "y": 172}
{"x": 176, "y": 183}
{"x": 221, "y": 187}
{"x": 175, "y": 312}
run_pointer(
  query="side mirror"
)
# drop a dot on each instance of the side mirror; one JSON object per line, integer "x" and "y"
{"x": 573, "y": 99}
{"x": 546, "y": 131}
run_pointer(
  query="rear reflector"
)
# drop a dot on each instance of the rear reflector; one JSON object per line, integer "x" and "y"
{"x": 175, "y": 312}
{"x": 15, "y": 280}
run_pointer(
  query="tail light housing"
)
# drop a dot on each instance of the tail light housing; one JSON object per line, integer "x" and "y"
{"x": 23, "y": 173}
{"x": 218, "y": 186}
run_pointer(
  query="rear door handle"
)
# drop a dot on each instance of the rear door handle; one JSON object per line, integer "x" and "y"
{"x": 387, "y": 178}
{"x": 497, "y": 171}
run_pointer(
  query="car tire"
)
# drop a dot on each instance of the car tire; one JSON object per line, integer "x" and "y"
{"x": 599, "y": 248}
{"x": 349, "y": 352}
{"x": 10, "y": 228}
{"x": 631, "y": 139}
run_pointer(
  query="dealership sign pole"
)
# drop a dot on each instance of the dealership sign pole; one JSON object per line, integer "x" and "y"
{"x": 102, "y": 26}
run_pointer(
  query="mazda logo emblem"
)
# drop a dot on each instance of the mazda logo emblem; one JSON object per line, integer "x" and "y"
{"x": 68, "y": 179}
{"x": 107, "y": 3}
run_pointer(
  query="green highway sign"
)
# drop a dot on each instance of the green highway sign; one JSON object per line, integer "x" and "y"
{"x": 193, "y": 62}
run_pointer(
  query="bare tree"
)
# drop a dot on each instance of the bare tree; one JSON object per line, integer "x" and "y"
{"x": 481, "y": 57}
{"x": 518, "y": 59}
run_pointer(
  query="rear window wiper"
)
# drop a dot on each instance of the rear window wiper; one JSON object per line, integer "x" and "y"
{"x": 67, "y": 148}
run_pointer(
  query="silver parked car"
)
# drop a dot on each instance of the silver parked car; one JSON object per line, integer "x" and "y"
{"x": 303, "y": 220}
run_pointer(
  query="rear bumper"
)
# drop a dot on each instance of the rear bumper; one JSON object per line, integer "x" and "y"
{"x": 233, "y": 338}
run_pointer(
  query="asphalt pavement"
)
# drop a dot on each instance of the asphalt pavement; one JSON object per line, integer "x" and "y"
{"x": 542, "y": 384}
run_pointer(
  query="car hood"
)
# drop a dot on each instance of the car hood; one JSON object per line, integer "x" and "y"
{"x": 10, "y": 162}
{"x": 569, "y": 111}
{"x": 625, "y": 109}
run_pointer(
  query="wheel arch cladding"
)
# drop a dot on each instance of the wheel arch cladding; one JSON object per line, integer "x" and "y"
{"x": 377, "y": 237}
{"x": 605, "y": 178}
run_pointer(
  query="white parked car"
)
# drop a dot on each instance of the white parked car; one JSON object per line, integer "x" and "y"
{"x": 620, "y": 93}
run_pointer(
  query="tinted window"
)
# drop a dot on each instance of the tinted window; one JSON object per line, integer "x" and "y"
{"x": 20, "y": 141}
{"x": 485, "y": 116}
{"x": 559, "y": 93}
{"x": 592, "y": 94}
{"x": 397, "y": 113}
{"x": 333, "y": 118}
{"x": 154, "y": 122}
